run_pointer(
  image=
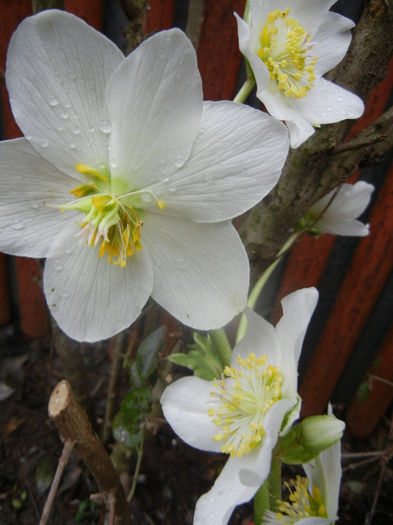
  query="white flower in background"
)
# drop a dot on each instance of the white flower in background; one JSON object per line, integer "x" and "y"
{"x": 289, "y": 45}
{"x": 243, "y": 413}
{"x": 336, "y": 212}
{"x": 313, "y": 500}
{"x": 123, "y": 163}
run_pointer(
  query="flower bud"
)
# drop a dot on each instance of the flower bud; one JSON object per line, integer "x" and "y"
{"x": 310, "y": 437}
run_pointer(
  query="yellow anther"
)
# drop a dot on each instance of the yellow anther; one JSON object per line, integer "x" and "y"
{"x": 83, "y": 190}
{"x": 161, "y": 205}
{"x": 90, "y": 172}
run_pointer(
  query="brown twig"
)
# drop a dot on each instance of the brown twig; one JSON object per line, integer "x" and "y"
{"x": 73, "y": 425}
{"x": 63, "y": 460}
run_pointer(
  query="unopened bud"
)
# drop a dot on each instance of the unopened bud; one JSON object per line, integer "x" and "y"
{"x": 310, "y": 437}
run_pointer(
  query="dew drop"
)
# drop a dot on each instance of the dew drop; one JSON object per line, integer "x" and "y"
{"x": 172, "y": 188}
{"x": 76, "y": 130}
{"x": 180, "y": 263}
{"x": 72, "y": 145}
{"x": 44, "y": 143}
{"x": 35, "y": 205}
{"x": 64, "y": 115}
{"x": 165, "y": 179}
{"x": 18, "y": 226}
{"x": 113, "y": 164}
{"x": 60, "y": 127}
{"x": 53, "y": 101}
{"x": 91, "y": 129}
{"x": 67, "y": 105}
{"x": 57, "y": 266}
{"x": 105, "y": 126}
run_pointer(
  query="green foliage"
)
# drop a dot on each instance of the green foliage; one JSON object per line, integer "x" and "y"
{"x": 128, "y": 422}
{"x": 204, "y": 358}
{"x": 44, "y": 474}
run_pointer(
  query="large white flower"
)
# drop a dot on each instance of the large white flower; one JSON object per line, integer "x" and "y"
{"x": 336, "y": 213}
{"x": 313, "y": 500}
{"x": 123, "y": 163}
{"x": 243, "y": 413}
{"x": 290, "y": 44}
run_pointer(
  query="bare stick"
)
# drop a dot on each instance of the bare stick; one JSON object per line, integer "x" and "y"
{"x": 63, "y": 460}
{"x": 73, "y": 425}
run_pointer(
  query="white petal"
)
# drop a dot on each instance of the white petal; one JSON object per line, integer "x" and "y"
{"x": 310, "y": 13}
{"x": 249, "y": 43}
{"x": 299, "y": 131}
{"x": 185, "y": 406}
{"x": 255, "y": 466}
{"x": 241, "y": 477}
{"x": 298, "y": 308}
{"x": 331, "y": 42}
{"x": 350, "y": 201}
{"x": 326, "y": 103}
{"x": 324, "y": 472}
{"x": 57, "y": 71}
{"x": 236, "y": 160}
{"x": 29, "y": 185}
{"x": 260, "y": 339}
{"x": 217, "y": 505}
{"x": 155, "y": 101}
{"x": 90, "y": 298}
{"x": 201, "y": 271}
{"x": 351, "y": 228}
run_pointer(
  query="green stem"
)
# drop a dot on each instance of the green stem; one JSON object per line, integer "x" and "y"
{"x": 221, "y": 344}
{"x": 258, "y": 287}
{"x": 261, "y": 503}
{"x": 245, "y": 90}
{"x": 137, "y": 466}
{"x": 274, "y": 480}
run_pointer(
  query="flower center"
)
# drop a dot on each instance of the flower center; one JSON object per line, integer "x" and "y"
{"x": 110, "y": 222}
{"x": 301, "y": 504}
{"x": 240, "y": 401}
{"x": 285, "y": 50}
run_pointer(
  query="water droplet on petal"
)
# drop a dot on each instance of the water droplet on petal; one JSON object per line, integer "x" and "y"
{"x": 172, "y": 188}
{"x": 165, "y": 179}
{"x": 76, "y": 130}
{"x": 105, "y": 126}
{"x": 57, "y": 266}
{"x": 53, "y": 101}
{"x": 60, "y": 128}
{"x": 35, "y": 205}
{"x": 18, "y": 226}
{"x": 91, "y": 129}
{"x": 72, "y": 145}
{"x": 64, "y": 115}
{"x": 44, "y": 143}
{"x": 113, "y": 164}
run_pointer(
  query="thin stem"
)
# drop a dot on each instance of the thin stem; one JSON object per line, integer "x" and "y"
{"x": 275, "y": 479}
{"x": 222, "y": 345}
{"x": 113, "y": 385}
{"x": 261, "y": 503}
{"x": 63, "y": 460}
{"x": 245, "y": 90}
{"x": 137, "y": 466}
{"x": 258, "y": 287}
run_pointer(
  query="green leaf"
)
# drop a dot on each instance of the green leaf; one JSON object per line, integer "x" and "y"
{"x": 126, "y": 425}
{"x": 363, "y": 391}
{"x": 203, "y": 358}
{"x": 146, "y": 356}
{"x": 44, "y": 474}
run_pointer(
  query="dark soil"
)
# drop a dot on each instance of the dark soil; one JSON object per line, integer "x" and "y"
{"x": 172, "y": 475}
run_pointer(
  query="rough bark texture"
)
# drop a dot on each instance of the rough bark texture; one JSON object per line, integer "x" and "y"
{"x": 317, "y": 166}
{"x": 73, "y": 425}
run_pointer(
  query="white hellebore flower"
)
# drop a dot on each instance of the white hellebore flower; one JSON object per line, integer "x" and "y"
{"x": 313, "y": 500}
{"x": 243, "y": 413}
{"x": 336, "y": 212}
{"x": 289, "y": 45}
{"x": 123, "y": 163}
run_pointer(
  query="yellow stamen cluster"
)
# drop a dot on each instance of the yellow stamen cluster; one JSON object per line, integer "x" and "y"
{"x": 285, "y": 46}
{"x": 301, "y": 503}
{"x": 111, "y": 222}
{"x": 241, "y": 399}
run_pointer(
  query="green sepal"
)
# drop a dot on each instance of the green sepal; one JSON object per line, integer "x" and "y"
{"x": 204, "y": 359}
